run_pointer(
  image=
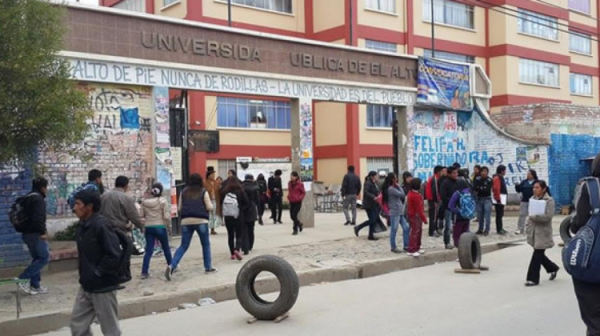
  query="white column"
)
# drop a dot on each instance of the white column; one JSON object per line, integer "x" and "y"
{"x": 302, "y": 154}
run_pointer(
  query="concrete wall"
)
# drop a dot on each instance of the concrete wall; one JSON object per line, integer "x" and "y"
{"x": 330, "y": 122}
{"x": 331, "y": 171}
{"x": 328, "y": 14}
{"x": 13, "y": 183}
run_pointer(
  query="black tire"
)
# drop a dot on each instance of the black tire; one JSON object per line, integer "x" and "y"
{"x": 252, "y": 302}
{"x": 565, "y": 229}
{"x": 469, "y": 251}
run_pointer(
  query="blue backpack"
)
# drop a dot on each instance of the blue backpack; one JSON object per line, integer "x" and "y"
{"x": 467, "y": 207}
{"x": 581, "y": 255}
{"x": 84, "y": 186}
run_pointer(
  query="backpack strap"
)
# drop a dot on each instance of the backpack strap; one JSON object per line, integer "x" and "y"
{"x": 594, "y": 191}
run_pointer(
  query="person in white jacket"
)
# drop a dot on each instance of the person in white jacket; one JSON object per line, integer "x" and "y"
{"x": 156, "y": 212}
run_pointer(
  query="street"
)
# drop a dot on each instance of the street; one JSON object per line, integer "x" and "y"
{"x": 425, "y": 301}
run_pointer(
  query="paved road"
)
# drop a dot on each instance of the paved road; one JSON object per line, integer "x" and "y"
{"x": 425, "y": 302}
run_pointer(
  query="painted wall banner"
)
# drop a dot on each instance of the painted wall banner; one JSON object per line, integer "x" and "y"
{"x": 444, "y": 85}
{"x": 306, "y": 141}
{"x": 96, "y": 71}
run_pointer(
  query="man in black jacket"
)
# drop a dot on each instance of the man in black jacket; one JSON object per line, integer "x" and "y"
{"x": 34, "y": 236}
{"x": 99, "y": 259}
{"x": 370, "y": 205}
{"x": 351, "y": 187}
{"x": 449, "y": 186}
{"x": 482, "y": 187}
{"x": 251, "y": 213}
{"x": 276, "y": 191}
{"x": 588, "y": 295}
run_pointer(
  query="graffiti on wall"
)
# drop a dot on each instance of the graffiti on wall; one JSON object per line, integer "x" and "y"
{"x": 306, "y": 142}
{"x": 164, "y": 160}
{"x": 118, "y": 142}
{"x": 443, "y": 138}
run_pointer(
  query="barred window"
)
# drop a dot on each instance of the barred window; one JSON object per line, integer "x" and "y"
{"x": 581, "y": 43}
{"x": 450, "y": 13}
{"x": 382, "y": 5}
{"x": 383, "y": 46}
{"x": 448, "y": 56}
{"x": 246, "y": 113}
{"x": 538, "y": 25}
{"x": 537, "y": 72}
{"x": 379, "y": 116}
{"x": 580, "y": 84}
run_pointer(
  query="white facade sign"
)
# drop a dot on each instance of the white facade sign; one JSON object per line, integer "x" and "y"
{"x": 99, "y": 71}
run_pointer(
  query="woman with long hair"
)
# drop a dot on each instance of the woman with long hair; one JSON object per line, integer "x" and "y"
{"x": 526, "y": 190}
{"x": 213, "y": 188}
{"x": 194, "y": 209}
{"x": 156, "y": 212}
{"x": 264, "y": 197}
{"x": 233, "y": 204}
{"x": 394, "y": 197}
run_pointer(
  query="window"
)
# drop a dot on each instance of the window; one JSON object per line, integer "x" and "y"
{"x": 380, "y": 164}
{"x": 448, "y": 56}
{"x": 536, "y": 72}
{"x": 282, "y": 6}
{"x": 246, "y": 113}
{"x": 224, "y": 167}
{"x": 580, "y": 84}
{"x": 379, "y": 116}
{"x": 132, "y": 5}
{"x": 382, "y": 5}
{"x": 580, "y": 5}
{"x": 450, "y": 13}
{"x": 581, "y": 43}
{"x": 170, "y": 2}
{"x": 383, "y": 46}
{"x": 538, "y": 25}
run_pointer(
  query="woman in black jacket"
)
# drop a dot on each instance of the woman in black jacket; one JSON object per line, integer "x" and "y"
{"x": 370, "y": 192}
{"x": 233, "y": 205}
{"x": 264, "y": 197}
{"x": 251, "y": 214}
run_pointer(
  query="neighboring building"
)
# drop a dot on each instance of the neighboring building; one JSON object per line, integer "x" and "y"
{"x": 533, "y": 51}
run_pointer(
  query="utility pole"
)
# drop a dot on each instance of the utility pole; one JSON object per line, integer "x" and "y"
{"x": 432, "y": 30}
{"x": 229, "y": 12}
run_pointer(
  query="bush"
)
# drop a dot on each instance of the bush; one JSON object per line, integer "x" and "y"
{"x": 67, "y": 234}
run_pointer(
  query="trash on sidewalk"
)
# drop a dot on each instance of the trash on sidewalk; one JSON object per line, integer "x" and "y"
{"x": 206, "y": 302}
{"x": 188, "y": 306}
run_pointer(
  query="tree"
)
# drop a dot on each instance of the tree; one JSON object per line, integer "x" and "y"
{"x": 40, "y": 106}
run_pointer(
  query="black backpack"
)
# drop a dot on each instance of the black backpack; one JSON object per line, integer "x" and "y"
{"x": 124, "y": 271}
{"x": 18, "y": 214}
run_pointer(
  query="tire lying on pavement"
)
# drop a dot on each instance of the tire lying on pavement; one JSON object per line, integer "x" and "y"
{"x": 565, "y": 229}
{"x": 469, "y": 251}
{"x": 252, "y": 302}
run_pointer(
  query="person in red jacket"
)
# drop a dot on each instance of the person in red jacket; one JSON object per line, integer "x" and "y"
{"x": 498, "y": 190}
{"x": 416, "y": 217}
{"x": 296, "y": 195}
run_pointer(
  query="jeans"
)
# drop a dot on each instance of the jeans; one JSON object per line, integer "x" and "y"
{"x": 153, "y": 234}
{"x": 484, "y": 214}
{"x": 499, "y": 215}
{"x": 187, "y": 232}
{"x": 373, "y": 215}
{"x": 235, "y": 233}
{"x": 350, "y": 201}
{"x": 395, "y": 222}
{"x": 416, "y": 229}
{"x": 294, "y": 211}
{"x": 276, "y": 208}
{"x": 539, "y": 259}
{"x": 38, "y": 248}
{"x": 432, "y": 209}
{"x": 523, "y": 212}
{"x": 88, "y": 306}
{"x": 448, "y": 219}
{"x": 588, "y": 297}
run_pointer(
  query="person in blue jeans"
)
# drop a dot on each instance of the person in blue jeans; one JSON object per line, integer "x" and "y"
{"x": 482, "y": 187}
{"x": 34, "y": 236}
{"x": 394, "y": 197}
{"x": 194, "y": 208}
{"x": 156, "y": 213}
{"x": 447, "y": 189}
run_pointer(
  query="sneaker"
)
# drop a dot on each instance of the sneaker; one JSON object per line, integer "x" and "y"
{"x": 530, "y": 284}
{"x": 347, "y": 223}
{"x": 422, "y": 251}
{"x": 353, "y": 223}
{"x": 238, "y": 256}
{"x": 449, "y": 247}
{"x": 24, "y": 287}
{"x": 396, "y": 250}
{"x": 168, "y": 273}
{"x": 416, "y": 254}
{"x": 518, "y": 232}
{"x": 145, "y": 276}
{"x": 212, "y": 270}
{"x": 502, "y": 232}
{"x": 233, "y": 257}
{"x": 39, "y": 290}
{"x": 553, "y": 275}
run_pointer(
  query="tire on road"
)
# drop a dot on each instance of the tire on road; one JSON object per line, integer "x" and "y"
{"x": 252, "y": 302}
{"x": 565, "y": 229}
{"x": 469, "y": 251}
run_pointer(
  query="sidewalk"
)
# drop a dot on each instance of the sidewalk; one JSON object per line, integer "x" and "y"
{"x": 330, "y": 242}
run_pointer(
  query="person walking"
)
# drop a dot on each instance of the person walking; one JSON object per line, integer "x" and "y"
{"x": 34, "y": 235}
{"x": 251, "y": 214}
{"x": 462, "y": 224}
{"x": 263, "y": 197}
{"x": 416, "y": 217}
{"x": 482, "y": 188}
{"x": 540, "y": 237}
{"x": 194, "y": 211}
{"x": 449, "y": 186}
{"x": 276, "y": 195}
{"x": 394, "y": 197}
{"x": 233, "y": 205}
{"x": 213, "y": 187}
{"x": 119, "y": 208}
{"x": 94, "y": 183}
{"x": 440, "y": 214}
{"x": 588, "y": 294}
{"x": 432, "y": 194}
{"x": 370, "y": 193}
{"x": 500, "y": 193}
{"x": 296, "y": 195}
{"x": 99, "y": 250}
{"x": 156, "y": 212}
{"x": 526, "y": 190}
{"x": 351, "y": 188}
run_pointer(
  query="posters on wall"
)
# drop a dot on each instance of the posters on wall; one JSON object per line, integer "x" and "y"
{"x": 177, "y": 159}
{"x": 306, "y": 142}
{"x": 162, "y": 149}
{"x": 444, "y": 85}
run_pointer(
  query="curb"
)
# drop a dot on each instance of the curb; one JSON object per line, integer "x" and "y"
{"x": 163, "y": 302}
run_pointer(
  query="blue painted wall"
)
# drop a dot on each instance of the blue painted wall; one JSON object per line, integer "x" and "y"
{"x": 565, "y": 165}
{"x": 12, "y": 251}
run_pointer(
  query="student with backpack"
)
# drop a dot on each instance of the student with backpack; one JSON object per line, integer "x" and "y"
{"x": 194, "y": 211}
{"x": 94, "y": 183}
{"x": 462, "y": 204}
{"x": 28, "y": 216}
{"x": 587, "y": 290}
{"x": 416, "y": 217}
{"x": 101, "y": 259}
{"x": 156, "y": 212}
{"x": 233, "y": 205}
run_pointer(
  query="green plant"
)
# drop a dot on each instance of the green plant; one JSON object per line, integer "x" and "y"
{"x": 67, "y": 234}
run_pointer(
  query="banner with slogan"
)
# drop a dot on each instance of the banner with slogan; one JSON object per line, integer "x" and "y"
{"x": 444, "y": 85}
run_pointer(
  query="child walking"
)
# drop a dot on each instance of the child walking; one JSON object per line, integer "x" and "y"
{"x": 416, "y": 217}
{"x": 463, "y": 205}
